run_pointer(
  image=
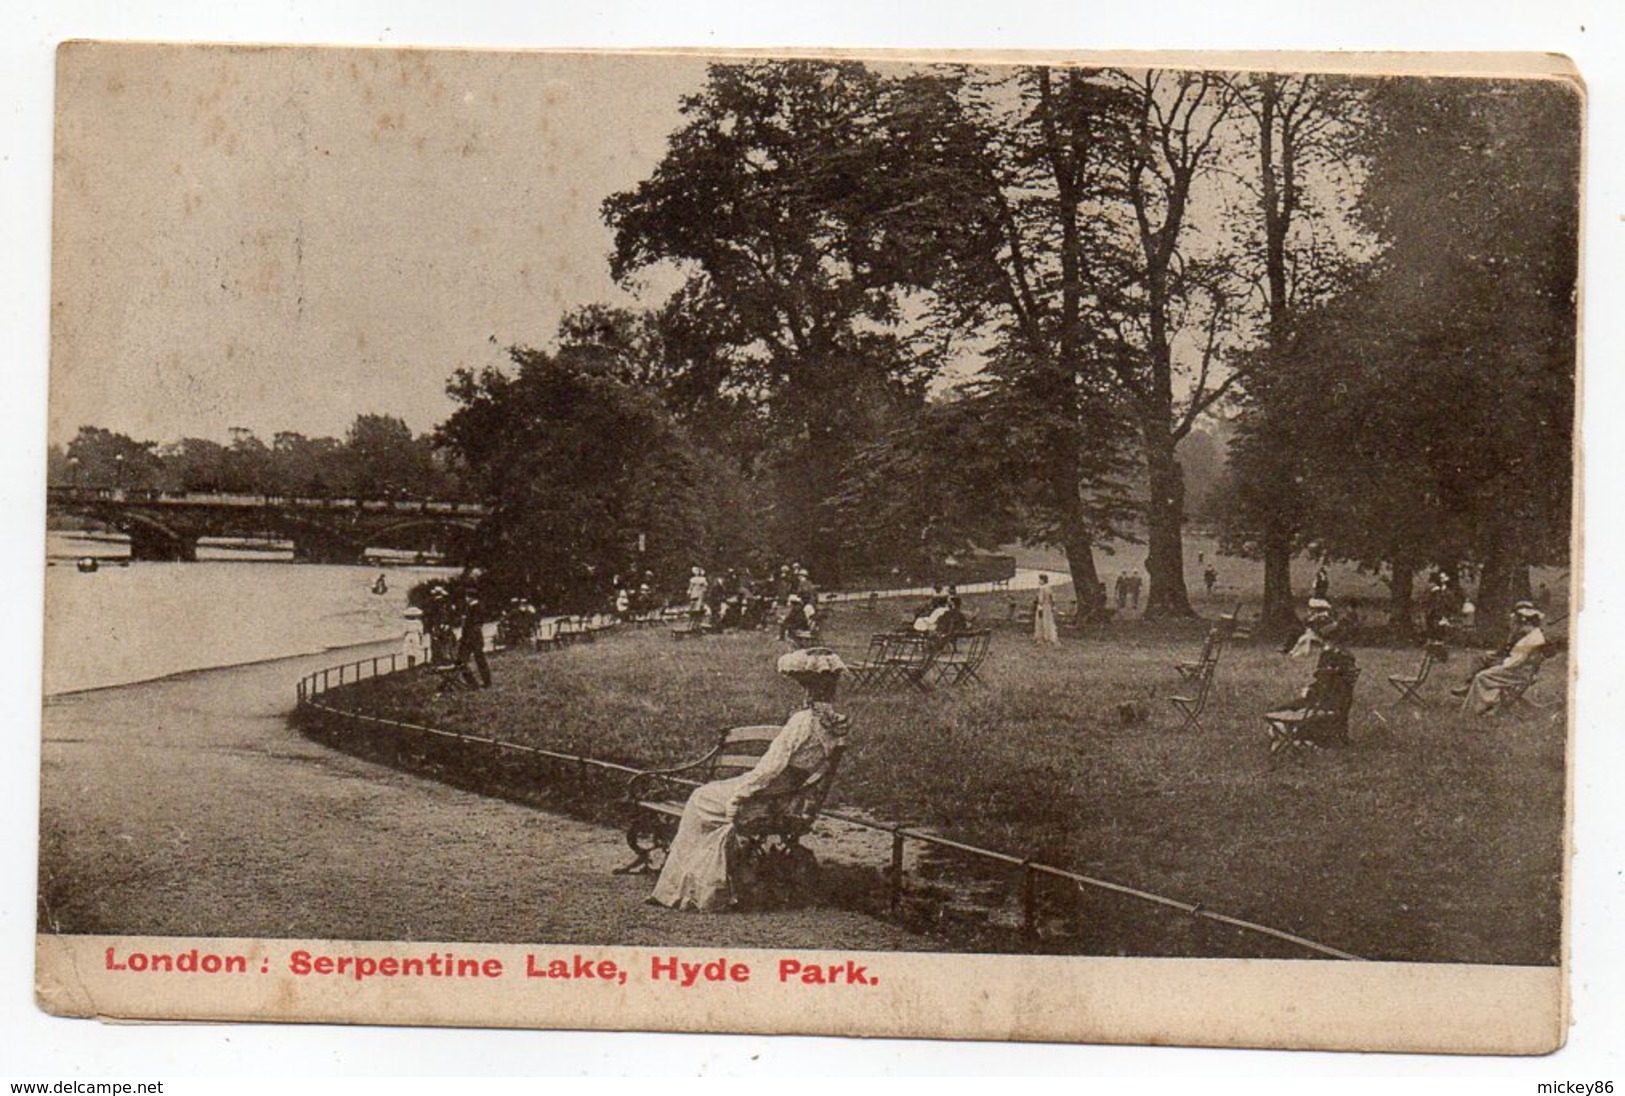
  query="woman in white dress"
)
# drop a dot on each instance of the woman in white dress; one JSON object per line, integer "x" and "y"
{"x": 414, "y": 643}
{"x": 1044, "y": 616}
{"x": 697, "y": 585}
{"x": 698, "y": 870}
{"x": 1516, "y": 668}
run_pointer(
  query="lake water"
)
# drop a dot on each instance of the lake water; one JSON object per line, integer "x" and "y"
{"x": 136, "y": 621}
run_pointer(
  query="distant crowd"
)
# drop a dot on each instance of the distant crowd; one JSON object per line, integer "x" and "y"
{"x": 737, "y": 599}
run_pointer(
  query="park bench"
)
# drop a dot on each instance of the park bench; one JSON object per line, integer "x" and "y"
{"x": 569, "y": 630}
{"x": 958, "y": 658}
{"x": 769, "y": 826}
{"x": 1324, "y": 717}
{"x": 1409, "y": 685}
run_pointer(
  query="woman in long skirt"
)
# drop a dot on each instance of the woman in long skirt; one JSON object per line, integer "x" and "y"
{"x": 698, "y": 870}
{"x": 1044, "y": 617}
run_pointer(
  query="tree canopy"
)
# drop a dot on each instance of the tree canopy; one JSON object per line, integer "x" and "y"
{"x": 589, "y": 479}
{"x": 1436, "y": 391}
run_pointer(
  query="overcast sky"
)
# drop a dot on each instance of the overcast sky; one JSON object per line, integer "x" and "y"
{"x": 282, "y": 238}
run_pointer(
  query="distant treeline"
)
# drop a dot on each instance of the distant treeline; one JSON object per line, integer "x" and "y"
{"x": 378, "y": 457}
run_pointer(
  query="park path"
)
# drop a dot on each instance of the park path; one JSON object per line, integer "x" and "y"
{"x": 1025, "y": 578}
{"x": 189, "y": 806}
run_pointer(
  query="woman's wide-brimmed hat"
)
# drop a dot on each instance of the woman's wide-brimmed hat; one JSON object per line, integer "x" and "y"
{"x": 811, "y": 662}
{"x": 1526, "y": 610}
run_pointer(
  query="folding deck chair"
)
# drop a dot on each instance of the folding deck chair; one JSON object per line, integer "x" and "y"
{"x": 1190, "y": 671}
{"x": 1515, "y": 694}
{"x": 1213, "y": 644}
{"x": 895, "y": 658}
{"x": 1409, "y": 685}
{"x": 1192, "y": 707}
{"x": 959, "y": 658}
{"x": 1322, "y": 720}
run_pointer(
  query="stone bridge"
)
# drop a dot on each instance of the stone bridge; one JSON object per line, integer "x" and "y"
{"x": 166, "y": 525}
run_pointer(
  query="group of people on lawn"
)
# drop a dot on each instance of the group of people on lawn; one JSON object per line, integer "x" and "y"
{"x": 447, "y": 629}
{"x": 735, "y": 599}
{"x": 1326, "y": 631}
{"x": 700, "y": 871}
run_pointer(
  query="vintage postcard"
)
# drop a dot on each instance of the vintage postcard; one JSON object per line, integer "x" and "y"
{"x": 999, "y": 547}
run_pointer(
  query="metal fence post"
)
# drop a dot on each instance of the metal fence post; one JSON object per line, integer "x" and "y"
{"x": 1029, "y": 900}
{"x": 895, "y": 883}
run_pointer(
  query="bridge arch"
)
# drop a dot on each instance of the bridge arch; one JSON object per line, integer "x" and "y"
{"x": 150, "y": 537}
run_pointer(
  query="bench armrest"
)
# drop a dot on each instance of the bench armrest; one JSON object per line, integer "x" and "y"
{"x": 640, "y": 785}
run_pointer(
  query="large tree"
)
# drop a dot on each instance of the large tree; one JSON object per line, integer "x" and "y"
{"x": 778, "y": 202}
{"x": 1173, "y": 306}
{"x": 588, "y": 477}
{"x": 977, "y": 468}
{"x": 303, "y": 465}
{"x": 1067, "y": 226}
{"x": 1439, "y": 388}
{"x": 384, "y": 460}
{"x": 1475, "y": 184}
{"x": 1297, "y": 247}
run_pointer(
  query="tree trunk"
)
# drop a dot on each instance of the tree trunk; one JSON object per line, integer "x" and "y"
{"x": 1502, "y": 584}
{"x": 1401, "y": 607}
{"x": 1279, "y": 616}
{"x": 1165, "y": 516}
{"x": 1080, "y": 560}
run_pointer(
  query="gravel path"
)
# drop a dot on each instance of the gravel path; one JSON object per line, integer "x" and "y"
{"x": 188, "y": 806}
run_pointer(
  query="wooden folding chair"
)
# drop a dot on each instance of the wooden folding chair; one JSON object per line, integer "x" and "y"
{"x": 870, "y": 672}
{"x": 1322, "y": 720}
{"x": 959, "y": 658}
{"x": 911, "y": 655}
{"x": 1190, "y": 671}
{"x": 1517, "y": 693}
{"x": 1409, "y": 685}
{"x": 1213, "y": 644}
{"x": 1192, "y": 707}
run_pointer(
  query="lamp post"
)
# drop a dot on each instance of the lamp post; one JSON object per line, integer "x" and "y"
{"x": 118, "y": 471}
{"x": 73, "y": 472}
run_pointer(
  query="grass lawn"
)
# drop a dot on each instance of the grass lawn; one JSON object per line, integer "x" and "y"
{"x": 1432, "y": 838}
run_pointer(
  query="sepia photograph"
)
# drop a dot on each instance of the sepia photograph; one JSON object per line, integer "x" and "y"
{"x": 759, "y": 542}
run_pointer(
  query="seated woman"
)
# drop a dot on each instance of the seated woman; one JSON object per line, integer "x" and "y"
{"x": 1313, "y": 637}
{"x": 1320, "y": 714}
{"x": 699, "y": 870}
{"x": 1528, "y": 640}
{"x": 800, "y": 623}
{"x": 954, "y": 620}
